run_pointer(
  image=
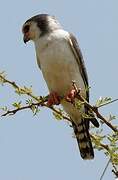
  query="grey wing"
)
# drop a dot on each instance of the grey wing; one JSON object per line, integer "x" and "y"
{"x": 38, "y": 61}
{"x": 79, "y": 58}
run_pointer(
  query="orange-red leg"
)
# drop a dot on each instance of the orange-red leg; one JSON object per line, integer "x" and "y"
{"x": 53, "y": 99}
{"x": 70, "y": 96}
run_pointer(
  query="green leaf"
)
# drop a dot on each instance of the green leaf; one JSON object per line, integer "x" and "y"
{"x": 17, "y": 104}
{"x": 37, "y": 110}
{"x": 58, "y": 116}
{"x": 2, "y": 77}
{"x": 102, "y": 101}
{"x": 111, "y": 117}
{"x": 4, "y": 108}
{"x": 29, "y": 101}
{"x": 79, "y": 104}
{"x": 24, "y": 90}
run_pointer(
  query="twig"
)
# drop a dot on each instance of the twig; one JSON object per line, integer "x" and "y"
{"x": 14, "y": 111}
{"x": 58, "y": 112}
{"x": 105, "y": 146}
{"x": 114, "y": 100}
{"x": 105, "y": 169}
{"x": 93, "y": 108}
{"x": 16, "y": 87}
{"x": 78, "y": 96}
{"x": 41, "y": 103}
{"x": 12, "y": 83}
{"x": 115, "y": 172}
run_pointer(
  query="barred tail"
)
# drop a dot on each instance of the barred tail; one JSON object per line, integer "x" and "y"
{"x": 83, "y": 139}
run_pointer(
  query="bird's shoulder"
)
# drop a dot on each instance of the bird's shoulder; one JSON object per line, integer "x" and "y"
{"x": 61, "y": 32}
{"x": 51, "y": 40}
{"x": 59, "y": 35}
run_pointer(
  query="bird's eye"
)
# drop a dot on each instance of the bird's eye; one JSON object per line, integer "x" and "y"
{"x": 26, "y": 28}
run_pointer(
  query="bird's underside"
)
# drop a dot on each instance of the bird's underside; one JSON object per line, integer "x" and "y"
{"x": 59, "y": 71}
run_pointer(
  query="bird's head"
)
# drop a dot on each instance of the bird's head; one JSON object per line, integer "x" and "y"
{"x": 39, "y": 25}
{"x": 30, "y": 31}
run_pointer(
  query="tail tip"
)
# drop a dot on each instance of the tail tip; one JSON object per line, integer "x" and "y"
{"x": 87, "y": 156}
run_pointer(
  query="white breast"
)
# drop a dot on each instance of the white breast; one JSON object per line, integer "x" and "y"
{"x": 57, "y": 62}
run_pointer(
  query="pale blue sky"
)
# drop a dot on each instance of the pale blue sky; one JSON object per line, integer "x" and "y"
{"x": 35, "y": 148}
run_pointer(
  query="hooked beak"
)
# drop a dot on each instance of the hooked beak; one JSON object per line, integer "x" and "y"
{"x": 26, "y": 38}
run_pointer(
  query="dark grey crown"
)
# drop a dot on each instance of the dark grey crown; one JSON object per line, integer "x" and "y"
{"x": 43, "y": 22}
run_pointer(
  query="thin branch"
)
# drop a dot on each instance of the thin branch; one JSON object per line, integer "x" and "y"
{"x": 41, "y": 103}
{"x": 18, "y": 88}
{"x": 115, "y": 171}
{"x": 93, "y": 108}
{"x": 14, "y": 111}
{"x": 105, "y": 169}
{"x": 58, "y": 112}
{"x": 114, "y": 100}
{"x": 105, "y": 146}
{"x": 38, "y": 103}
{"x": 12, "y": 83}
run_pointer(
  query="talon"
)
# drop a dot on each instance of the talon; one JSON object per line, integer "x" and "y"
{"x": 70, "y": 97}
{"x": 53, "y": 99}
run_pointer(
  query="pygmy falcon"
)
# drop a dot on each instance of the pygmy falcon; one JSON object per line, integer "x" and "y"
{"x": 61, "y": 62}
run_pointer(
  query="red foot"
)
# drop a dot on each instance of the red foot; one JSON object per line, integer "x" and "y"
{"x": 70, "y": 97}
{"x": 53, "y": 99}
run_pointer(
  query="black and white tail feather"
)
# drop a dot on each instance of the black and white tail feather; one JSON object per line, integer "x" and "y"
{"x": 83, "y": 138}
